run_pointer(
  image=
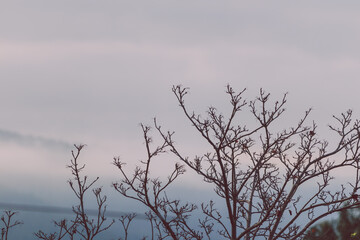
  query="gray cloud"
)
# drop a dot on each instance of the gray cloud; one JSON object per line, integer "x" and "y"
{"x": 90, "y": 69}
{"x": 323, "y": 27}
{"x": 29, "y": 140}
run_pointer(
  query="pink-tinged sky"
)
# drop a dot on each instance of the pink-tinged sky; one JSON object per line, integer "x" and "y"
{"x": 90, "y": 71}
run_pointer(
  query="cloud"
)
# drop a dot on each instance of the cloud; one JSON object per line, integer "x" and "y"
{"x": 29, "y": 140}
{"x": 63, "y": 210}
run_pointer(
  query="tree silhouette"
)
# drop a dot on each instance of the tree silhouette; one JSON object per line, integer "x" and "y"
{"x": 324, "y": 230}
{"x": 8, "y": 223}
{"x": 345, "y": 227}
{"x": 82, "y": 225}
{"x": 258, "y": 173}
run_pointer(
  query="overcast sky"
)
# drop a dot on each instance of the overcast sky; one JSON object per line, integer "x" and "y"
{"x": 91, "y": 71}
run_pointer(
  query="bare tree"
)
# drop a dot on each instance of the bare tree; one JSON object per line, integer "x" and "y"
{"x": 125, "y": 221}
{"x": 170, "y": 215}
{"x": 64, "y": 230}
{"x": 8, "y": 223}
{"x": 258, "y": 173}
{"x": 82, "y": 225}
